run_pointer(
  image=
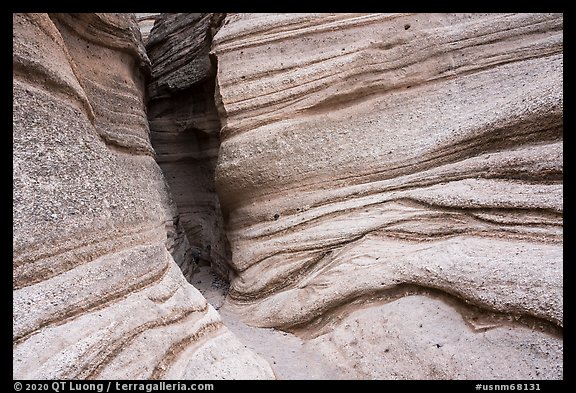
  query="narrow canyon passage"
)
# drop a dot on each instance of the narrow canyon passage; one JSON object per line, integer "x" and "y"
{"x": 96, "y": 290}
{"x": 291, "y": 196}
{"x": 379, "y": 222}
{"x": 184, "y": 130}
{"x": 285, "y": 352}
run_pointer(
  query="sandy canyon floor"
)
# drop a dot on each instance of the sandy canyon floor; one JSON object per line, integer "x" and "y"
{"x": 286, "y": 352}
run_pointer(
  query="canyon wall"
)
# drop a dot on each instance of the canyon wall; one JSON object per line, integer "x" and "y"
{"x": 386, "y": 186}
{"x": 96, "y": 289}
{"x": 392, "y": 188}
{"x": 185, "y": 127}
{"x": 146, "y": 22}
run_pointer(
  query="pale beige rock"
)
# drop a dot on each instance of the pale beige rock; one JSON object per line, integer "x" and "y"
{"x": 96, "y": 290}
{"x": 419, "y": 337}
{"x": 366, "y": 158}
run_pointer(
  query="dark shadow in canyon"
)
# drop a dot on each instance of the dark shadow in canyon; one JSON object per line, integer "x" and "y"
{"x": 185, "y": 129}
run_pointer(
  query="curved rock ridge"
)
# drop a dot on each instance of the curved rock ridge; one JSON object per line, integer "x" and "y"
{"x": 96, "y": 290}
{"x": 185, "y": 127}
{"x": 366, "y": 158}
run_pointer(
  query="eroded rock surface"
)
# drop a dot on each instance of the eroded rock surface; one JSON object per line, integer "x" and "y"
{"x": 146, "y": 22}
{"x": 373, "y": 165}
{"x": 185, "y": 127}
{"x": 96, "y": 290}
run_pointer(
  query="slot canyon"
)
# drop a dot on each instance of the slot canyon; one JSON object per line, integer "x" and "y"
{"x": 288, "y": 196}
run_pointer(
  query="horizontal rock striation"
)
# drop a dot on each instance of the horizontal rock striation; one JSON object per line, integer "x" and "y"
{"x": 96, "y": 290}
{"x": 185, "y": 127}
{"x": 146, "y": 23}
{"x": 369, "y": 158}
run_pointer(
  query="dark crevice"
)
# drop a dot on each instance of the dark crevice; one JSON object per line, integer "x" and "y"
{"x": 185, "y": 130}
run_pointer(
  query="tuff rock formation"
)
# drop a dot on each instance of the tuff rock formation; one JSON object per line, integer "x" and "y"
{"x": 146, "y": 22}
{"x": 392, "y": 188}
{"x": 185, "y": 127}
{"x": 96, "y": 290}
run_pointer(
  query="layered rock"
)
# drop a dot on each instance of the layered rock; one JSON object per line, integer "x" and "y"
{"x": 378, "y": 169}
{"x": 146, "y": 23}
{"x": 96, "y": 290}
{"x": 185, "y": 127}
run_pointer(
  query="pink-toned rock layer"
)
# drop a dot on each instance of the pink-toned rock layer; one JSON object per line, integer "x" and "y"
{"x": 392, "y": 188}
{"x": 96, "y": 289}
{"x": 390, "y": 185}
